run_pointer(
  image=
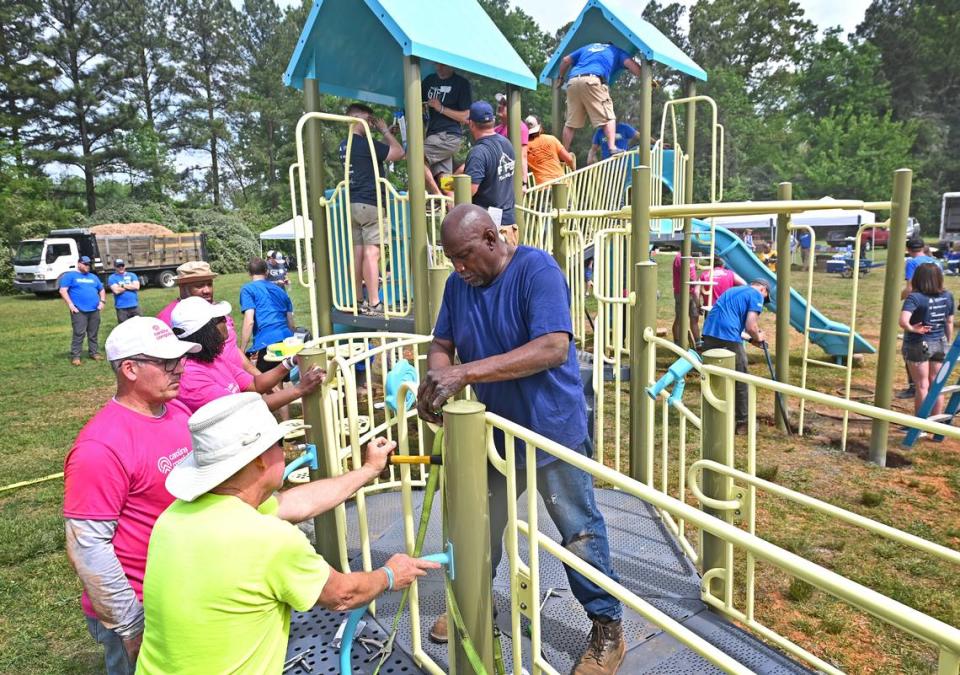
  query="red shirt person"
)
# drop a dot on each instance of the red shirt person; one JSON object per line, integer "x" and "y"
{"x": 114, "y": 482}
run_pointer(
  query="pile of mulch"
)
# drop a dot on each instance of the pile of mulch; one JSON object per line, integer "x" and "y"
{"x": 131, "y": 228}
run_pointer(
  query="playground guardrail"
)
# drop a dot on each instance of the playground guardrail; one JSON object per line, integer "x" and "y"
{"x": 734, "y": 497}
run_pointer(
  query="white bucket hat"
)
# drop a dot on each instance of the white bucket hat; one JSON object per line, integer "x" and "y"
{"x": 228, "y": 433}
{"x": 191, "y": 314}
{"x": 146, "y": 336}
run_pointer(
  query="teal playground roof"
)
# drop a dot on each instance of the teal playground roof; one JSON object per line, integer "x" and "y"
{"x": 355, "y": 48}
{"x": 626, "y": 29}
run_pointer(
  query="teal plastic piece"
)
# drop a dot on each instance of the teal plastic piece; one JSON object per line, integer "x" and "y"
{"x": 402, "y": 372}
{"x": 626, "y": 28}
{"x": 674, "y": 376}
{"x": 308, "y": 458}
{"x": 459, "y": 34}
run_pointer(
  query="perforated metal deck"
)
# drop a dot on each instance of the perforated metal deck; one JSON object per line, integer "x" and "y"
{"x": 645, "y": 556}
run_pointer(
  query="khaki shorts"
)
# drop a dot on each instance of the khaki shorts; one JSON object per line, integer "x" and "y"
{"x": 365, "y": 225}
{"x": 438, "y": 151}
{"x": 510, "y": 234}
{"x": 587, "y": 96}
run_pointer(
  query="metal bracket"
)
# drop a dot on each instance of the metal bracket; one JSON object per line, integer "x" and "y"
{"x": 523, "y": 590}
{"x": 742, "y": 494}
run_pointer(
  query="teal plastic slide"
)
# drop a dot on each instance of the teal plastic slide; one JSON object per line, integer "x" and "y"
{"x": 741, "y": 260}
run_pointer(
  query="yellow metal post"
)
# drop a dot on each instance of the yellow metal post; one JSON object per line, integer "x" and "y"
{"x": 560, "y": 194}
{"x": 417, "y": 195}
{"x": 466, "y": 517}
{"x": 642, "y": 370}
{"x": 887, "y": 357}
{"x": 646, "y": 111}
{"x": 514, "y": 115}
{"x": 556, "y": 111}
{"x": 784, "y": 193}
{"x": 685, "y": 249}
{"x": 318, "y": 214}
{"x": 717, "y": 444}
{"x": 326, "y": 536}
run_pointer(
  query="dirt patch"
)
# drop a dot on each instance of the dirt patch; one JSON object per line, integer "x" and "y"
{"x": 132, "y": 228}
{"x": 861, "y": 448}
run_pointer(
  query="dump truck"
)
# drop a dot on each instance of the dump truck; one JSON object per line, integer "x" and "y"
{"x": 39, "y": 263}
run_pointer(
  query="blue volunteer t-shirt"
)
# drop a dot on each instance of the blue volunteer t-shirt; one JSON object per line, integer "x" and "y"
{"x": 930, "y": 310}
{"x": 83, "y": 289}
{"x": 362, "y": 179}
{"x": 598, "y": 59}
{"x": 805, "y": 240}
{"x": 270, "y": 304}
{"x": 528, "y": 299}
{"x": 914, "y": 263}
{"x": 728, "y": 317}
{"x": 127, "y": 299}
{"x": 454, "y": 93}
{"x": 490, "y": 165}
{"x": 622, "y": 138}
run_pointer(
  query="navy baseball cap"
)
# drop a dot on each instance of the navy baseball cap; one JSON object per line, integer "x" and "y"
{"x": 481, "y": 112}
{"x": 85, "y": 259}
{"x": 119, "y": 263}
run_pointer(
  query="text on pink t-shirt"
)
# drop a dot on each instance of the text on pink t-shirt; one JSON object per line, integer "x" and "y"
{"x": 203, "y": 382}
{"x": 116, "y": 471}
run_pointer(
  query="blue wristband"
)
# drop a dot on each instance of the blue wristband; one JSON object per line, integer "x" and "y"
{"x": 389, "y": 577}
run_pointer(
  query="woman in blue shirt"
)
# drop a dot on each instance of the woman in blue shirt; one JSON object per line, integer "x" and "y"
{"x": 927, "y": 323}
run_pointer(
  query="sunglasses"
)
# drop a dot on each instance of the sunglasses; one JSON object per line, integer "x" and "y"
{"x": 168, "y": 365}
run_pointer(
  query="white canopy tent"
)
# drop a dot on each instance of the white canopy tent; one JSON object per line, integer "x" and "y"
{"x": 287, "y": 231}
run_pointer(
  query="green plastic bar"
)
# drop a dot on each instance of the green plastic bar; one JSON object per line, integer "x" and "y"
{"x": 466, "y": 516}
{"x": 717, "y": 445}
{"x": 315, "y": 212}
{"x": 784, "y": 193}
{"x": 887, "y": 358}
{"x": 422, "y": 318}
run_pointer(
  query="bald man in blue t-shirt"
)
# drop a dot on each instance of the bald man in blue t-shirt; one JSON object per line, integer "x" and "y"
{"x": 506, "y": 314}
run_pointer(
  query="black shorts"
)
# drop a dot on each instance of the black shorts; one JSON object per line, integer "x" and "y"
{"x": 263, "y": 365}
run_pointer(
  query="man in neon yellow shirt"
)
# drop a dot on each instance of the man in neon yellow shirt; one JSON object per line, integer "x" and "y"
{"x": 225, "y": 564}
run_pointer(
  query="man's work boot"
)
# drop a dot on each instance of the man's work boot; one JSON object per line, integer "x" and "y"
{"x": 438, "y": 631}
{"x": 96, "y": 357}
{"x": 606, "y": 650}
{"x": 75, "y": 362}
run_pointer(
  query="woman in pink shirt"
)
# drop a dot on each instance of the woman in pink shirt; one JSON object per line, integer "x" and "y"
{"x": 723, "y": 280}
{"x": 209, "y": 373}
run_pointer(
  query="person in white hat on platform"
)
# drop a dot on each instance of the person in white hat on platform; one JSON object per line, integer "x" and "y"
{"x": 114, "y": 482}
{"x": 226, "y": 564}
{"x": 210, "y": 373}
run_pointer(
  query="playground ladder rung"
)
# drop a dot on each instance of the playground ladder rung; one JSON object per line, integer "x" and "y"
{"x": 828, "y": 364}
{"x": 829, "y": 331}
{"x": 941, "y": 417}
{"x": 949, "y": 389}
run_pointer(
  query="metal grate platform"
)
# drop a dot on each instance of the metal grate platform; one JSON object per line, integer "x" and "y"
{"x": 645, "y": 556}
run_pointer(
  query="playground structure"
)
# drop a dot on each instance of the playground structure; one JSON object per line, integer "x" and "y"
{"x": 608, "y": 209}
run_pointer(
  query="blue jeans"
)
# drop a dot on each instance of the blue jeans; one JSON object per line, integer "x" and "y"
{"x": 568, "y": 494}
{"x": 114, "y": 653}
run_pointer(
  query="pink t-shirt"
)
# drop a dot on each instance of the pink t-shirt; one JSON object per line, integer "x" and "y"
{"x": 504, "y": 131}
{"x": 203, "y": 382}
{"x": 116, "y": 471}
{"x": 676, "y": 275}
{"x": 235, "y": 355}
{"x": 723, "y": 280}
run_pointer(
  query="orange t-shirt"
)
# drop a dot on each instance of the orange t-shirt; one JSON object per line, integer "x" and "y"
{"x": 543, "y": 158}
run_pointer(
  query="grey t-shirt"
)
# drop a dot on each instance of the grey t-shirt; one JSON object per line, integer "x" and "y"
{"x": 491, "y": 165}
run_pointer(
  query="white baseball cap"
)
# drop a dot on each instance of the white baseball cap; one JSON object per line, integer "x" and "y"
{"x": 192, "y": 314}
{"x": 533, "y": 125}
{"x": 228, "y": 433}
{"x": 146, "y": 336}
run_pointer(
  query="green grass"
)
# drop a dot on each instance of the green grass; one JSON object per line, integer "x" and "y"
{"x": 44, "y": 403}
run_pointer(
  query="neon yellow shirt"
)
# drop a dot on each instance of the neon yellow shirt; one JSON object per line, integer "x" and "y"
{"x": 220, "y": 582}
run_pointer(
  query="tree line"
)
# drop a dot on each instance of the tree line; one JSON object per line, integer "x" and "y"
{"x": 98, "y": 98}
